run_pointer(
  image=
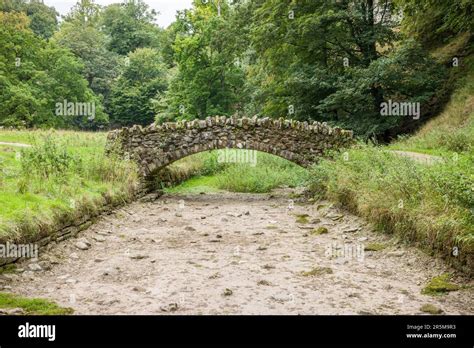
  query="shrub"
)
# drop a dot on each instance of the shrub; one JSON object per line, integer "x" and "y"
{"x": 47, "y": 158}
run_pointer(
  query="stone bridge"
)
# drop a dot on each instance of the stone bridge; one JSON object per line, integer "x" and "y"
{"x": 156, "y": 146}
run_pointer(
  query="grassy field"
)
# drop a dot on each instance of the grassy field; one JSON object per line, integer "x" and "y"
{"x": 268, "y": 172}
{"x": 62, "y": 176}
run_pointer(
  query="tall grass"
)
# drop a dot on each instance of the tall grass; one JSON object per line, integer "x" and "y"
{"x": 63, "y": 176}
{"x": 432, "y": 206}
{"x": 267, "y": 173}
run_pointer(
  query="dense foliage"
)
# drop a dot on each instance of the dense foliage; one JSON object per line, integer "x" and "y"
{"x": 332, "y": 61}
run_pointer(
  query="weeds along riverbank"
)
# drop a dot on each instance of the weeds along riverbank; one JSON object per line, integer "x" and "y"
{"x": 62, "y": 177}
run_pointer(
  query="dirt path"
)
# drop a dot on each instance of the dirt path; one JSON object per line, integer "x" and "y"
{"x": 14, "y": 144}
{"x": 420, "y": 157}
{"x": 234, "y": 254}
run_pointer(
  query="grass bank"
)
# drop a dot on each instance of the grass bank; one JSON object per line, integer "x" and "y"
{"x": 429, "y": 205}
{"x": 63, "y": 176}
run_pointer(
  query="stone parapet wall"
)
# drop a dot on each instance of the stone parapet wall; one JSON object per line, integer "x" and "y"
{"x": 156, "y": 146}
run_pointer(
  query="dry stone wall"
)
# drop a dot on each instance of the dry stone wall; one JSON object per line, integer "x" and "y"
{"x": 156, "y": 146}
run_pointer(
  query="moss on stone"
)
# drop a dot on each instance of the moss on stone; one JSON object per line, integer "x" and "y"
{"x": 316, "y": 271}
{"x": 440, "y": 285}
{"x": 374, "y": 247}
{"x": 32, "y": 305}
{"x": 10, "y": 268}
{"x": 302, "y": 218}
{"x": 429, "y": 308}
{"x": 319, "y": 230}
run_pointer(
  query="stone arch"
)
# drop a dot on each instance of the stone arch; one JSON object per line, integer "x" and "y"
{"x": 156, "y": 146}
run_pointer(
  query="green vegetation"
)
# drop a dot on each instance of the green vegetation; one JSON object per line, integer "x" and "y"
{"x": 428, "y": 205}
{"x": 431, "y": 20}
{"x": 10, "y": 268}
{"x": 317, "y": 271}
{"x": 431, "y": 309}
{"x": 32, "y": 305}
{"x": 440, "y": 285}
{"x": 209, "y": 77}
{"x": 268, "y": 173}
{"x": 198, "y": 184}
{"x": 320, "y": 230}
{"x": 374, "y": 247}
{"x": 431, "y": 205}
{"x": 332, "y": 61}
{"x": 450, "y": 134}
{"x": 131, "y": 100}
{"x": 63, "y": 176}
{"x": 302, "y": 218}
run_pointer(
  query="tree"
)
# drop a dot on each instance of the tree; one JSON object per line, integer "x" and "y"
{"x": 318, "y": 61}
{"x": 432, "y": 19}
{"x": 143, "y": 78}
{"x": 43, "y": 19}
{"x": 85, "y": 12}
{"x": 35, "y": 75}
{"x": 130, "y": 26}
{"x": 80, "y": 33}
{"x": 209, "y": 78}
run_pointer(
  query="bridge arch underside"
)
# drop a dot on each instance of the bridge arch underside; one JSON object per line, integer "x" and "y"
{"x": 156, "y": 147}
{"x": 152, "y": 167}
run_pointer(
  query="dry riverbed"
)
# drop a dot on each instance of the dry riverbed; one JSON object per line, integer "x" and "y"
{"x": 228, "y": 253}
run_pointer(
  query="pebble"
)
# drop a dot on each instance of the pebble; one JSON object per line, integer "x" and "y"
{"x": 138, "y": 289}
{"x": 82, "y": 246}
{"x": 34, "y": 267}
{"x": 172, "y": 307}
{"x": 12, "y": 311}
{"x": 103, "y": 233}
{"x": 99, "y": 238}
{"x": 46, "y": 265}
{"x": 138, "y": 256}
{"x": 74, "y": 256}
